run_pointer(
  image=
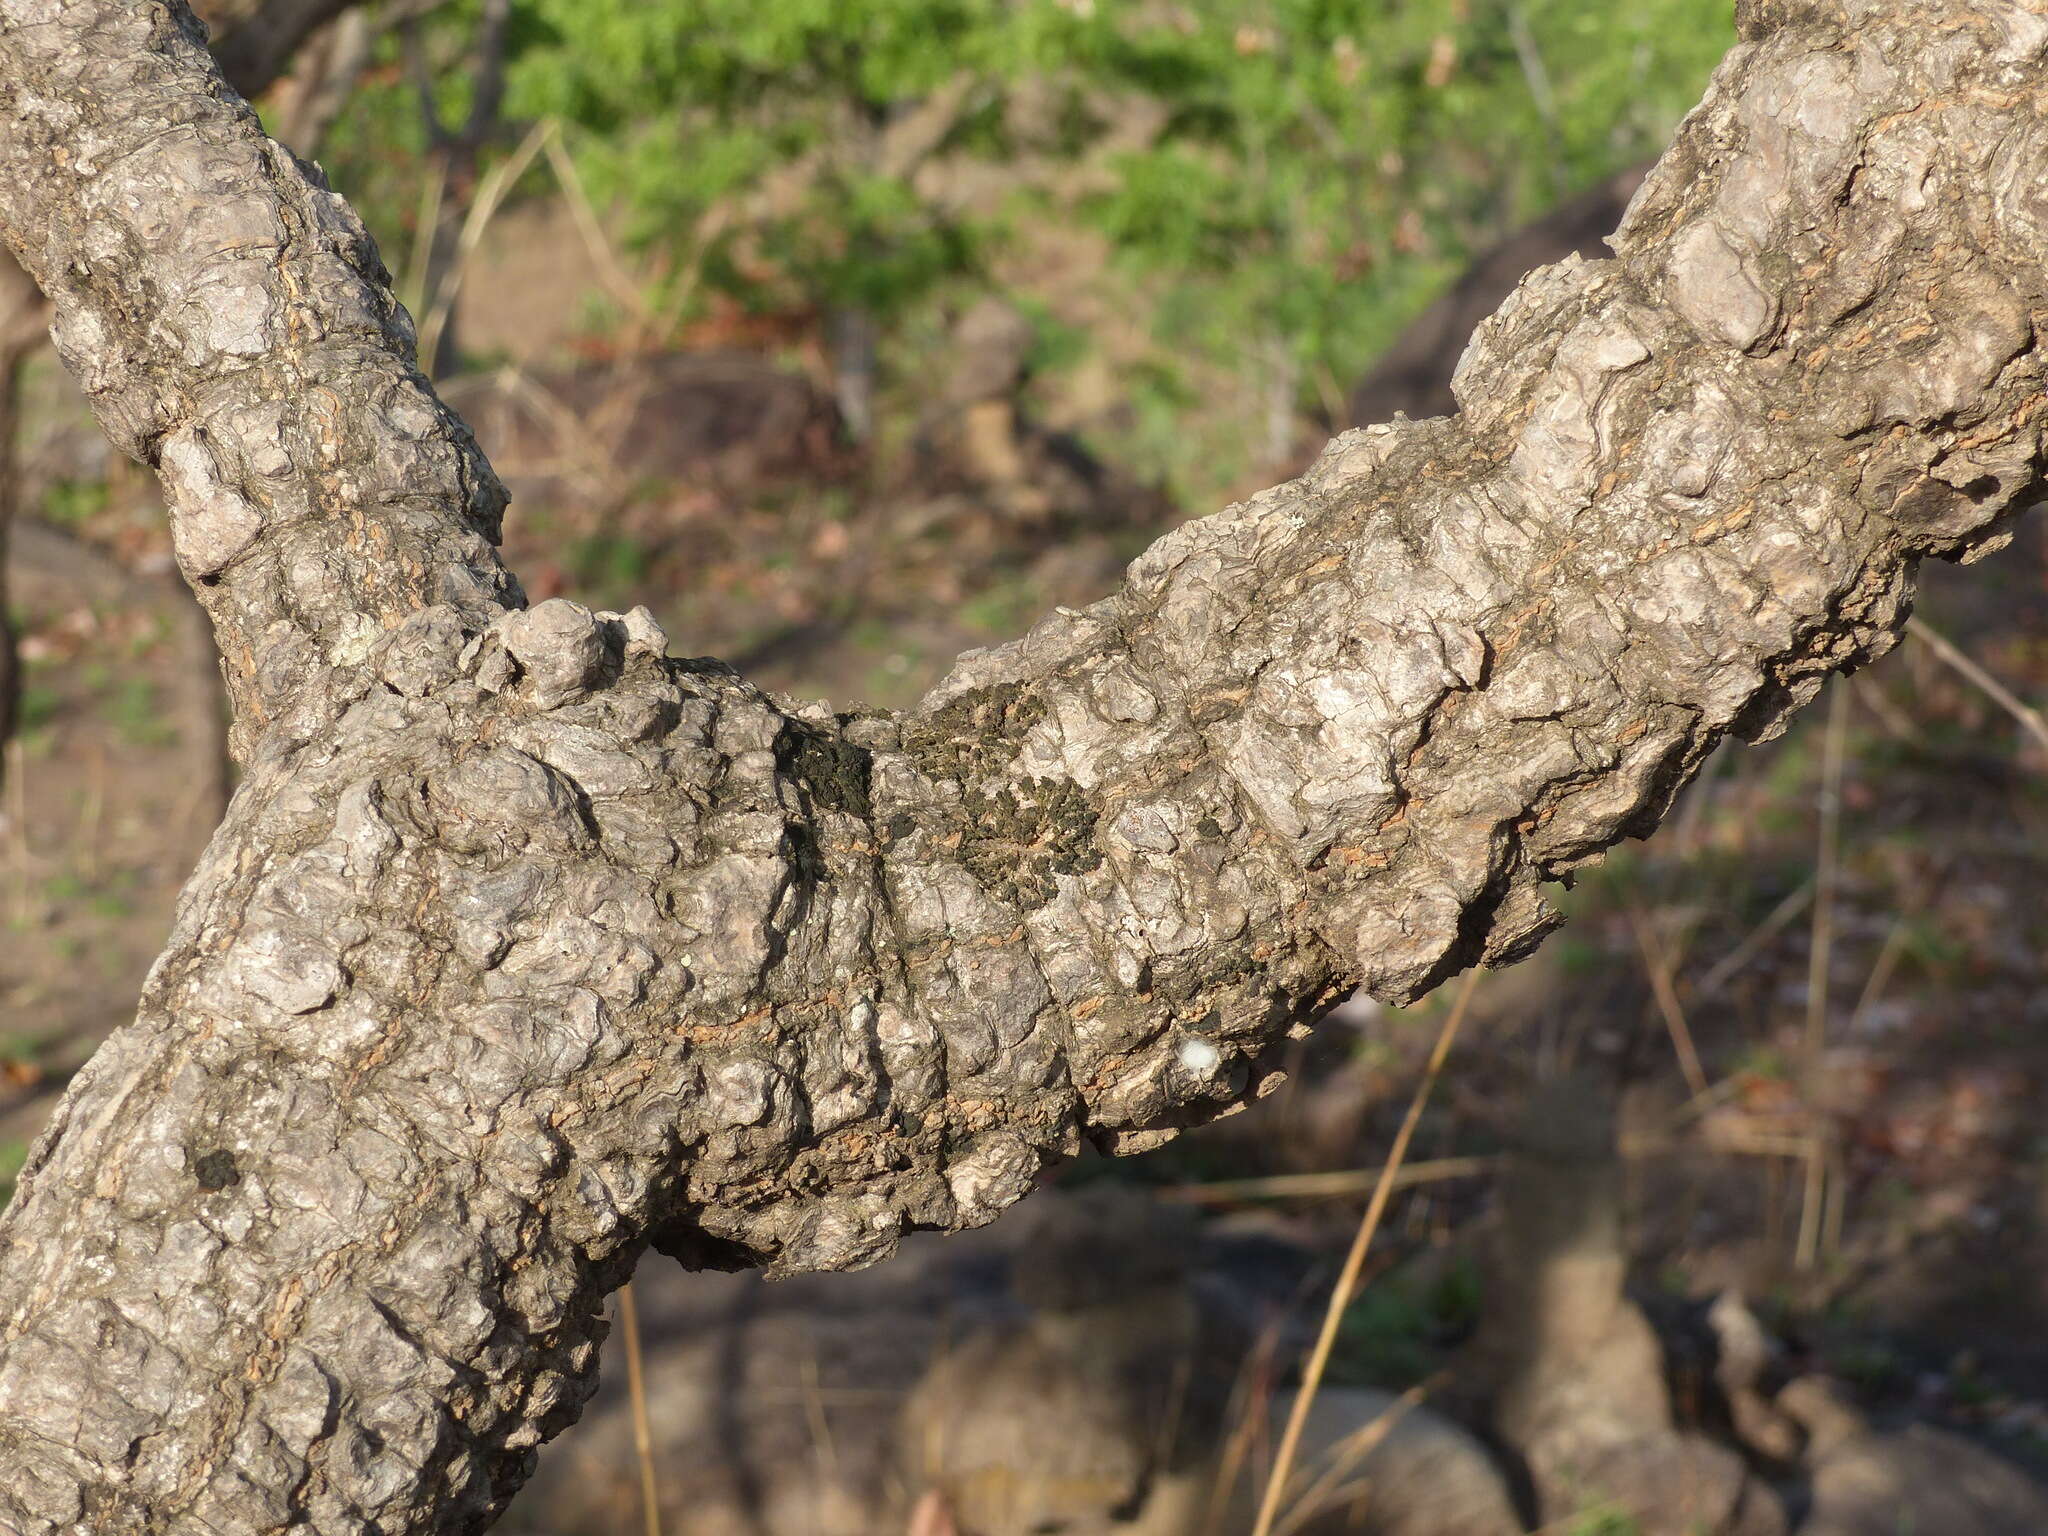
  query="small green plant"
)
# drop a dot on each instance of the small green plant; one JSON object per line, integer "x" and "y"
{"x": 64, "y": 887}
{"x": 69, "y": 503}
{"x": 1002, "y": 610}
{"x": 13, "y": 1157}
{"x": 137, "y": 714}
{"x": 39, "y": 707}
{"x": 1870, "y": 1365}
{"x": 1764, "y": 1061}
{"x": 1603, "y": 1520}
{"x": 608, "y": 565}
{"x": 1395, "y": 1331}
{"x": 112, "y": 905}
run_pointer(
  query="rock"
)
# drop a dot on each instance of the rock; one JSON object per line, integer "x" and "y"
{"x": 1372, "y": 1463}
{"x": 1920, "y": 1479}
{"x": 1575, "y": 1371}
{"x": 1744, "y": 1353}
{"x": 1090, "y": 1413}
{"x": 1674, "y": 1483}
{"x": 770, "y": 1404}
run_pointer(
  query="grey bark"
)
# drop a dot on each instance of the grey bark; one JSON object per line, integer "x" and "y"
{"x": 256, "y": 43}
{"x": 1414, "y": 374}
{"x": 524, "y": 947}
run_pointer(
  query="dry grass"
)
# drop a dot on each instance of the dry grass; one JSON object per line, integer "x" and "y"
{"x": 1354, "y": 1263}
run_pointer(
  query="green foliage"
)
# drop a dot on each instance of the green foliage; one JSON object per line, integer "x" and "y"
{"x": 39, "y": 706}
{"x": 1603, "y": 1520}
{"x": 1396, "y": 1330}
{"x": 764, "y": 150}
{"x": 13, "y": 1158}
{"x": 609, "y": 566}
{"x": 70, "y": 503}
{"x": 1282, "y": 182}
{"x": 1327, "y": 163}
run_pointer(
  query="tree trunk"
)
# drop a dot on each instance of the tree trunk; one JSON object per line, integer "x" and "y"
{"x": 255, "y": 43}
{"x": 524, "y": 947}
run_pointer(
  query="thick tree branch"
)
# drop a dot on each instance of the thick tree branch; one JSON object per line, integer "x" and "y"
{"x": 252, "y": 45}
{"x": 524, "y": 946}
{"x": 232, "y": 325}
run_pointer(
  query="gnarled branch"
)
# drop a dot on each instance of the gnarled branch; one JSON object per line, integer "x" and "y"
{"x": 525, "y": 946}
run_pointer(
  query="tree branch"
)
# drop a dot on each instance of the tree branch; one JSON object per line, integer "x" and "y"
{"x": 257, "y": 43}
{"x": 233, "y": 327}
{"x": 524, "y": 946}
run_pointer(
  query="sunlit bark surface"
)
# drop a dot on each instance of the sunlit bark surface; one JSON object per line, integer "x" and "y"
{"x": 526, "y": 945}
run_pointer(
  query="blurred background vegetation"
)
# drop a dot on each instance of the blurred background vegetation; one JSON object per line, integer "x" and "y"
{"x": 1259, "y": 195}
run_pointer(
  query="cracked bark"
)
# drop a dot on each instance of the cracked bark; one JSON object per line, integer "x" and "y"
{"x": 525, "y": 946}
{"x": 253, "y": 45}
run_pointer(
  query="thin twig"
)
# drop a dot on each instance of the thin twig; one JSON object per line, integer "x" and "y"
{"x": 91, "y": 810}
{"x": 822, "y": 1444}
{"x": 1775, "y": 922}
{"x": 1251, "y": 1393}
{"x": 1334, "y": 1185}
{"x": 1354, "y": 1261}
{"x": 16, "y": 783}
{"x": 1530, "y": 57}
{"x": 1835, "y": 1212}
{"x": 636, "y": 1389}
{"x": 1666, "y": 993}
{"x": 413, "y": 291}
{"x": 490, "y": 195}
{"x": 1824, "y": 880}
{"x": 1881, "y": 970}
{"x": 2029, "y": 718}
{"x": 591, "y": 231}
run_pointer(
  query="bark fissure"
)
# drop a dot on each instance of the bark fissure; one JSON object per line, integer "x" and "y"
{"x": 525, "y": 945}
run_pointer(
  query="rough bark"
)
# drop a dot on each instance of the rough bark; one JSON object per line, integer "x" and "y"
{"x": 524, "y": 946}
{"x": 1414, "y": 374}
{"x": 254, "y": 45}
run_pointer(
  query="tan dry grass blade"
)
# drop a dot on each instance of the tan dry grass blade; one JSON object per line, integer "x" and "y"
{"x": 636, "y": 1389}
{"x": 490, "y": 197}
{"x": 1657, "y": 966}
{"x": 2028, "y": 717}
{"x": 1827, "y": 869}
{"x": 1354, "y": 1261}
{"x": 1333, "y": 1185}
